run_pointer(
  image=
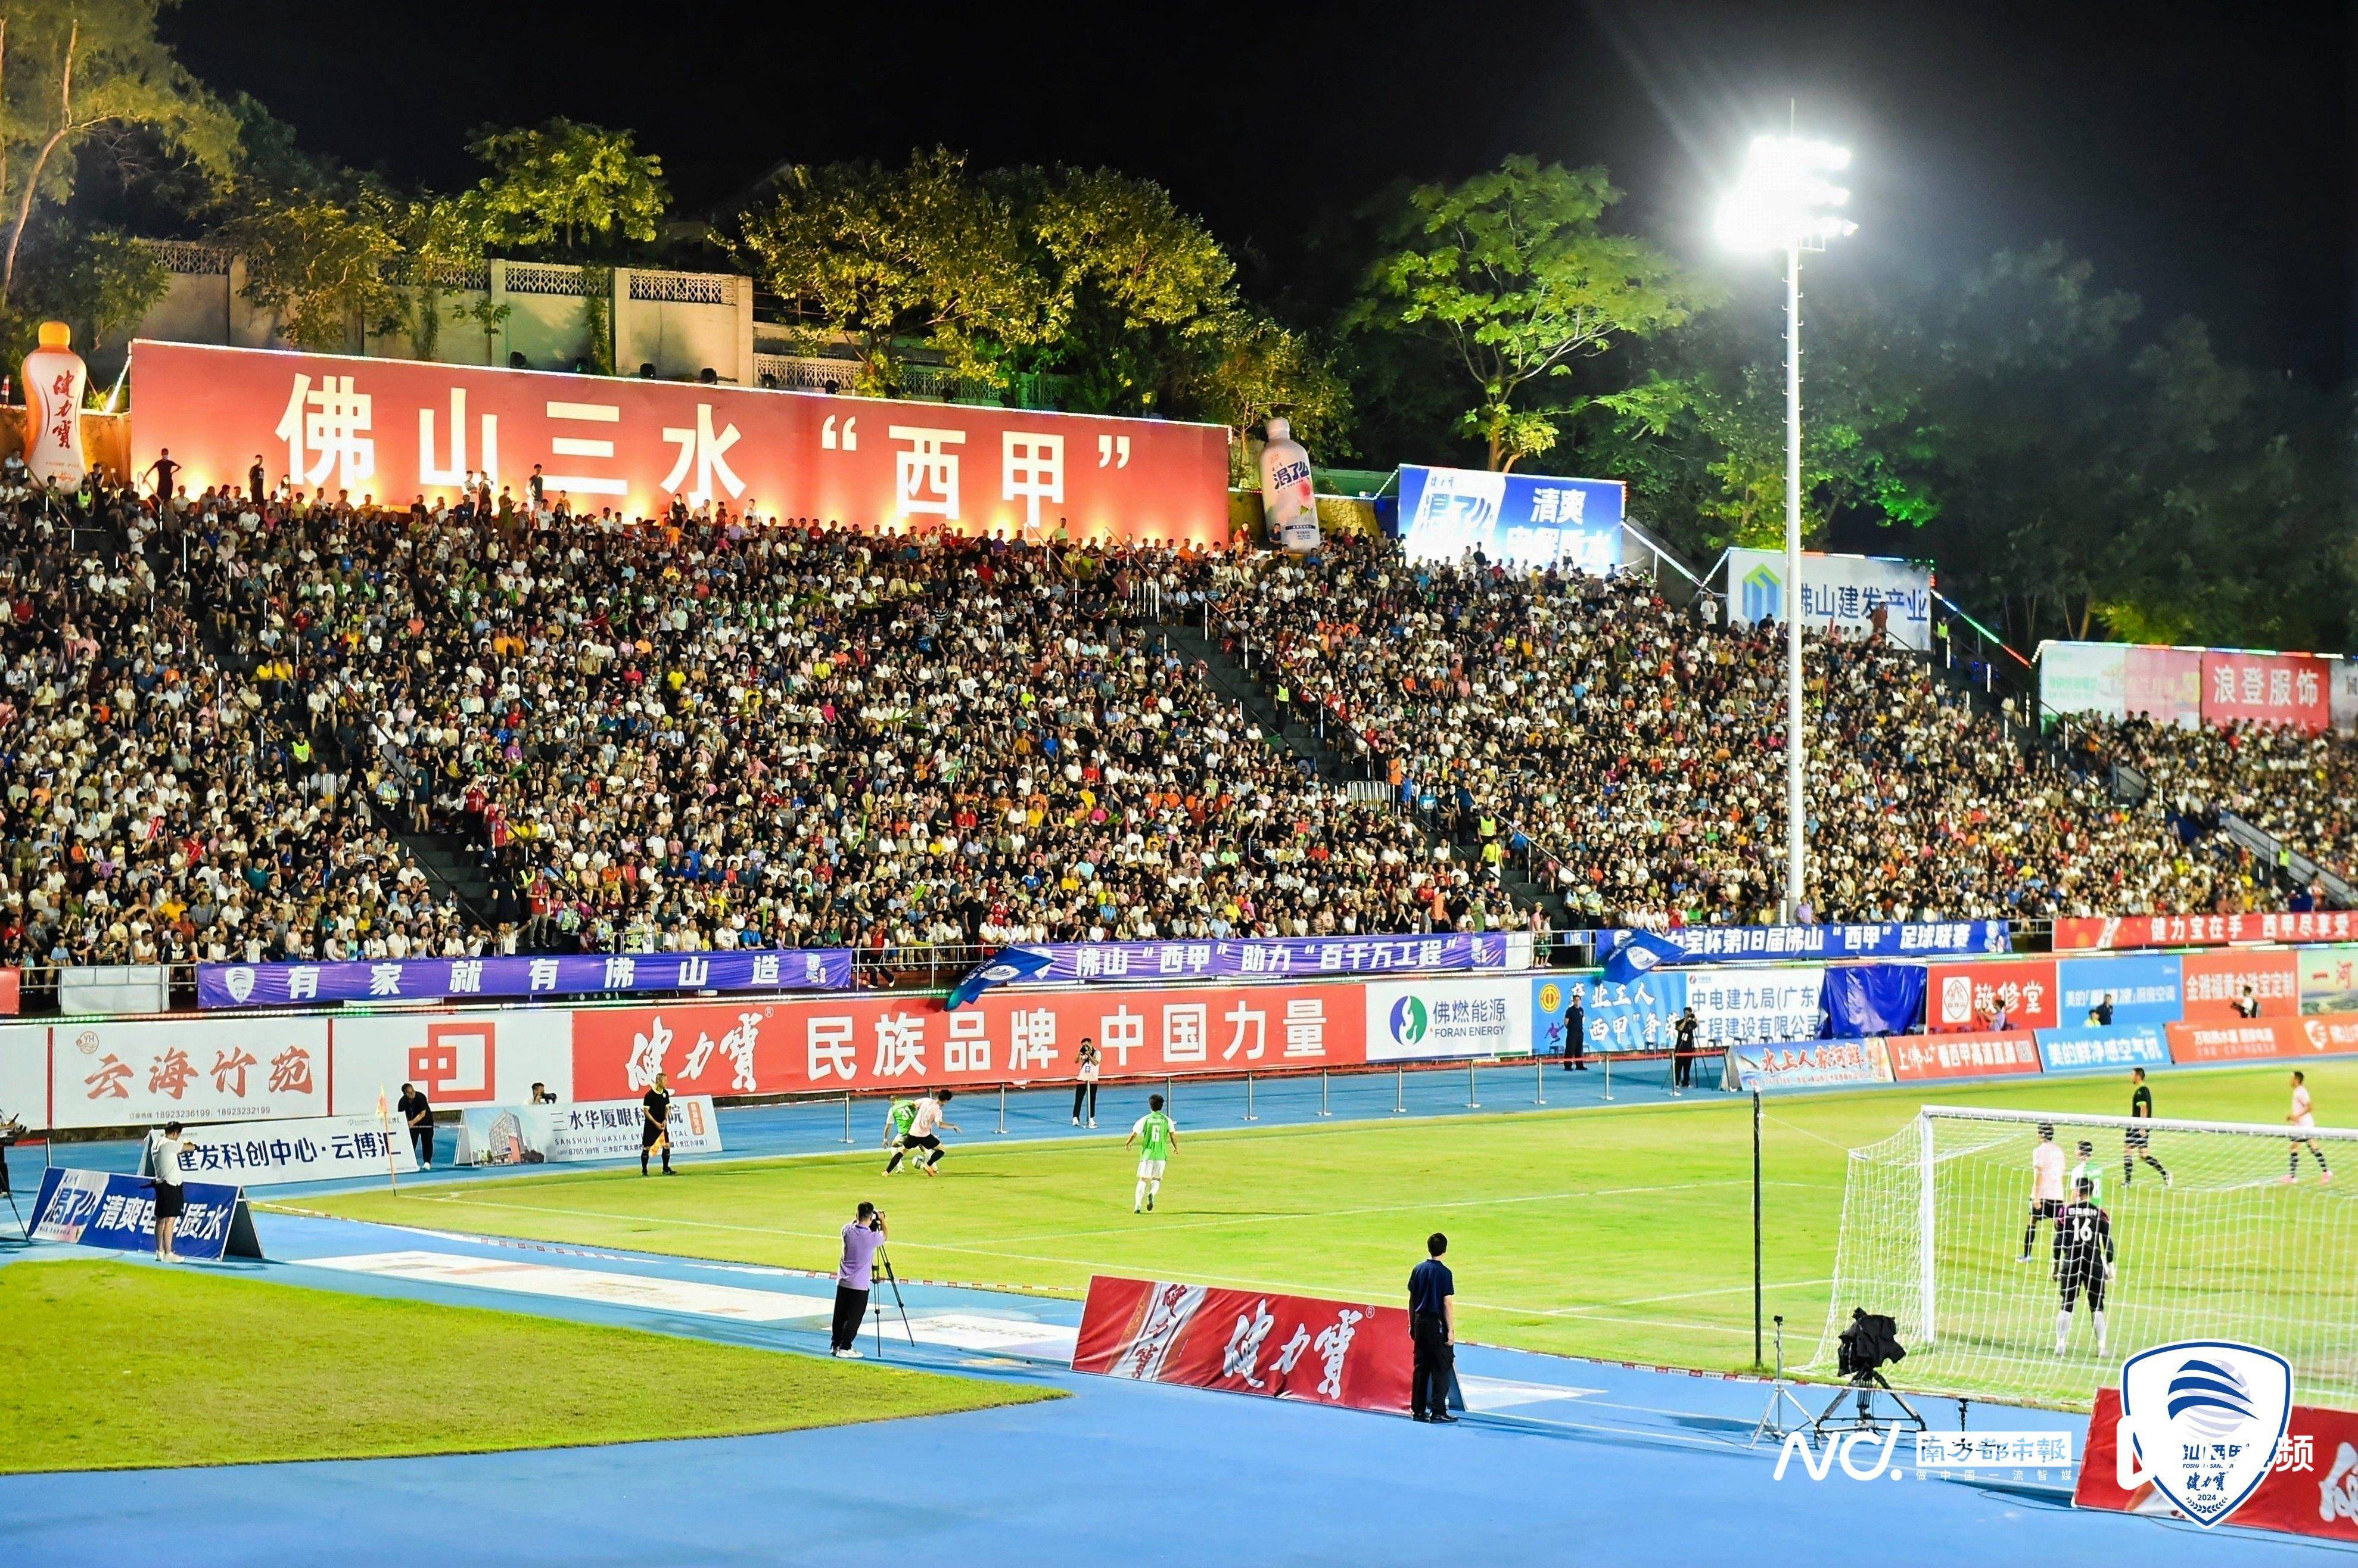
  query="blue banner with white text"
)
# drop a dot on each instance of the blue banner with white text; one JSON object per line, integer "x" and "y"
{"x": 108, "y": 1208}
{"x": 1514, "y": 519}
{"x": 2139, "y": 988}
{"x": 544, "y": 974}
{"x": 2103, "y": 1050}
{"x": 1766, "y": 943}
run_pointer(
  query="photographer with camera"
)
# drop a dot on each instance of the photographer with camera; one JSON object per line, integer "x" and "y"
{"x": 861, "y": 1239}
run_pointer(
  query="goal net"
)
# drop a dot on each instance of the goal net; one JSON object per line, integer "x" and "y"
{"x": 2223, "y": 1247}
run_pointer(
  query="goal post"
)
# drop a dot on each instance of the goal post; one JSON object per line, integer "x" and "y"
{"x": 2220, "y": 1229}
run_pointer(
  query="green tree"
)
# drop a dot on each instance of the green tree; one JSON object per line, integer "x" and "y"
{"x": 1255, "y": 368}
{"x": 76, "y": 78}
{"x": 1511, "y": 274}
{"x": 325, "y": 263}
{"x": 567, "y": 187}
{"x": 100, "y": 280}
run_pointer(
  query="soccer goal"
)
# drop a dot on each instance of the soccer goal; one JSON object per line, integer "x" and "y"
{"x": 2223, "y": 1247}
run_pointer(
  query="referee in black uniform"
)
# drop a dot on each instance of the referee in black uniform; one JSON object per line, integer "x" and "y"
{"x": 2136, "y": 1143}
{"x": 654, "y": 1126}
{"x": 1433, "y": 1327}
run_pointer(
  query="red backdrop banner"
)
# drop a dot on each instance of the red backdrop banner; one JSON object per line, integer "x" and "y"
{"x": 2088, "y": 933}
{"x": 1247, "y": 1342}
{"x": 397, "y": 428}
{"x": 1917, "y": 1056}
{"x": 880, "y": 1044}
{"x": 2214, "y": 981}
{"x": 2311, "y": 1490}
{"x": 1960, "y": 996}
{"x": 2265, "y": 1039}
{"x": 2273, "y": 688}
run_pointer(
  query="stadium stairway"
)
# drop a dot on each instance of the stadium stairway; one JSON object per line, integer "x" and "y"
{"x": 1242, "y": 682}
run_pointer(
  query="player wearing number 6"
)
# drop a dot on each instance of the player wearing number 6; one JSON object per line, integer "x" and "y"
{"x": 1161, "y": 1139}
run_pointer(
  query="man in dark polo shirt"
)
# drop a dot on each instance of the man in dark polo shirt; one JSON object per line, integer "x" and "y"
{"x": 654, "y": 1125}
{"x": 1433, "y": 1326}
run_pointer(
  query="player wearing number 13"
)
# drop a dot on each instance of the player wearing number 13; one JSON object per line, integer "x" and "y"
{"x": 2084, "y": 1262}
{"x": 1161, "y": 1140}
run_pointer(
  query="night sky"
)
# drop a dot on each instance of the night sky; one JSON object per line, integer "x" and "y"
{"x": 2201, "y": 155}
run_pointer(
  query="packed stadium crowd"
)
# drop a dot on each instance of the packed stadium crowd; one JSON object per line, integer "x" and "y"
{"x": 224, "y": 716}
{"x": 1639, "y": 748}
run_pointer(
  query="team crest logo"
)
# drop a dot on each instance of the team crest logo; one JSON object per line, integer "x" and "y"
{"x": 239, "y": 978}
{"x": 2200, "y": 1420}
{"x": 1410, "y": 1021}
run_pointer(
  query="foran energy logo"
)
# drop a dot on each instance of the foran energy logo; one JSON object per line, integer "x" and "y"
{"x": 1411, "y": 1020}
{"x": 2201, "y": 1421}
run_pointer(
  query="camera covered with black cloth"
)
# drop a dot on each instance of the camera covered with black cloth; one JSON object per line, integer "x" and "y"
{"x": 1872, "y": 1340}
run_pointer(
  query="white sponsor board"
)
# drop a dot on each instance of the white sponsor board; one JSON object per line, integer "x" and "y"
{"x": 188, "y": 1069}
{"x": 603, "y": 1286}
{"x": 2344, "y": 692}
{"x": 318, "y": 1148}
{"x": 486, "y": 1057}
{"x": 25, "y": 1073}
{"x": 594, "y": 1130}
{"x": 1757, "y": 1005}
{"x": 1411, "y": 1020}
{"x": 1839, "y": 593}
{"x": 2084, "y": 677}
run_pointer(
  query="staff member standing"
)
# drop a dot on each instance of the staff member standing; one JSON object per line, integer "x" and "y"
{"x": 654, "y": 1125}
{"x": 165, "y": 1160}
{"x": 418, "y": 1115}
{"x": 1682, "y": 1050}
{"x": 1576, "y": 1034}
{"x": 1433, "y": 1327}
{"x": 1084, "y": 1081}
{"x": 861, "y": 1239}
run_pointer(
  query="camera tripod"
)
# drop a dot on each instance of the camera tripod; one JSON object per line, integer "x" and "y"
{"x": 884, "y": 1258}
{"x": 1862, "y": 1386}
{"x": 1773, "y": 1426}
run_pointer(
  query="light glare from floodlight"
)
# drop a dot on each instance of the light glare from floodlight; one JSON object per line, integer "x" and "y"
{"x": 1782, "y": 201}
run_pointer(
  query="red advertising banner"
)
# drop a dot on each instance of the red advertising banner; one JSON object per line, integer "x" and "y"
{"x": 2086, "y": 933}
{"x": 397, "y": 428}
{"x": 1962, "y": 996}
{"x": 2272, "y": 688}
{"x": 1962, "y": 1056}
{"x": 11, "y": 982}
{"x": 2265, "y": 1039}
{"x": 1247, "y": 1342}
{"x": 2214, "y": 982}
{"x": 878, "y": 1044}
{"x": 2312, "y": 1488}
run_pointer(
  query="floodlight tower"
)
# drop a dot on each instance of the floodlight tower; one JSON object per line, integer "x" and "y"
{"x": 1786, "y": 202}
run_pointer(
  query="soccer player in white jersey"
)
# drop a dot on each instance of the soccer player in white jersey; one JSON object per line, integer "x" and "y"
{"x": 2304, "y": 1121}
{"x": 2046, "y": 1186}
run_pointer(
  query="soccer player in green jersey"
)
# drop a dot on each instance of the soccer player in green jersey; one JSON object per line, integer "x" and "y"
{"x": 2087, "y": 1170}
{"x": 1161, "y": 1139}
{"x": 897, "y": 1121}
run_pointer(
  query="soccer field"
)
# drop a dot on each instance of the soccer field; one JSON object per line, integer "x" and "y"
{"x": 1623, "y": 1233}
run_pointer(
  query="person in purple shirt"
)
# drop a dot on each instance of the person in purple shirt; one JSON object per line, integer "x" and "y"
{"x": 853, "y": 1276}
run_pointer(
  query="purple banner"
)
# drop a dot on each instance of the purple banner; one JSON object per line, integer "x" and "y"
{"x": 1280, "y": 957}
{"x": 547, "y": 975}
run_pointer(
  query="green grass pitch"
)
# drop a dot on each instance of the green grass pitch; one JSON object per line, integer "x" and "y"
{"x": 1624, "y": 1233}
{"x": 113, "y": 1365}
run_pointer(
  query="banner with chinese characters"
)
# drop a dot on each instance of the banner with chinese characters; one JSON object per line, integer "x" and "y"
{"x": 397, "y": 428}
{"x": 2264, "y": 1039}
{"x": 873, "y": 1045}
{"x": 555, "y": 1135}
{"x": 1839, "y": 594}
{"x": 2103, "y": 1050}
{"x": 2084, "y": 933}
{"x": 1280, "y": 957}
{"x": 1965, "y": 996}
{"x": 1918, "y": 1056}
{"x": 2311, "y": 1488}
{"x": 1767, "y": 943}
{"x": 2271, "y": 688}
{"x": 1615, "y": 1015}
{"x": 1514, "y": 519}
{"x": 2119, "y": 680}
{"x": 107, "y": 1208}
{"x": 1247, "y": 1342}
{"x": 195, "y": 1070}
{"x": 1811, "y": 1064}
{"x": 316, "y": 1149}
{"x": 574, "y": 974}
{"x": 2329, "y": 980}
{"x": 1757, "y": 1006}
{"x": 2216, "y": 983}
{"x": 2139, "y": 988}
{"x": 1413, "y": 1020}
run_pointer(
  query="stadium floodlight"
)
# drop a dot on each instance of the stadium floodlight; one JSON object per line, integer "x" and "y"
{"x": 1784, "y": 201}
